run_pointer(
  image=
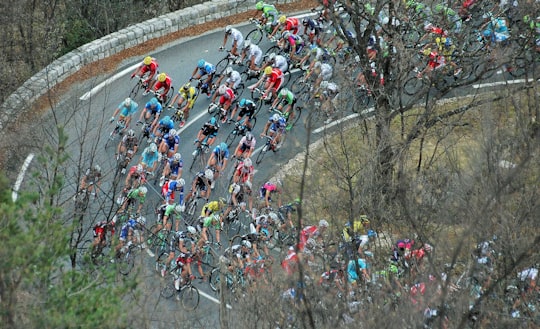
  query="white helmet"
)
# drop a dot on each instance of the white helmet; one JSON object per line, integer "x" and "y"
{"x": 127, "y": 102}
{"x": 178, "y": 208}
{"x": 192, "y": 230}
{"x": 177, "y": 157}
{"x": 271, "y": 56}
{"x": 97, "y": 168}
{"x": 140, "y": 167}
{"x": 247, "y": 162}
{"x": 311, "y": 242}
{"x": 222, "y": 89}
{"x": 143, "y": 190}
{"x": 324, "y": 84}
{"x": 246, "y": 243}
{"x": 323, "y": 223}
{"x": 228, "y": 70}
{"x": 273, "y": 216}
{"x": 180, "y": 182}
{"x": 209, "y": 174}
{"x": 141, "y": 220}
{"x": 173, "y": 132}
{"x": 228, "y": 29}
{"x": 247, "y": 43}
{"x": 152, "y": 148}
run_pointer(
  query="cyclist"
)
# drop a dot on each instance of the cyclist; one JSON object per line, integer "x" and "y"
{"x": 244, "y": 172}
{"x": 165, "y": 217}
{"x": 238, "y": 256}
{"x": 180, "y": 241}
{"x": 202, "y": 182}
{"x": 149, "y": 65}
{"x": 127, "y": 146}
{"x": 246, "y": 146}
{"x": 290, "y": 263}
{"x": 352, "y": 273}
{"x": 162, "y": 128}
{"x": 169, "y": 144}
{"x": 125, "y": 110}
{"x": 267, "y": 191}
{"x": 287, "y": 210}
{"x": 162, "y": 86}
{"x": 435, "y": 61}
{"x": 134, "y": 178}
{"x": 269, "y": 12}
{"x": 126, "y": 234}
{"x": 218, "y": 160}
{"x": 91, "y": 177}
{"x": 273, "y": 78}
{"x": 204, "y": 68}
{"x": 495, "y": 29}
{"x": 312, "y": 29}
{"x": 277, "y": 61}
{"x": 149, "y": 158}
{"x": 285, "y": 23}
{"x": 247, "y": 109}
{"x": 212, "y": 220}
{"x": 285, "y": 97}
{"x": 209, "y": 129}
{"x": 237, "y": 40}
{"x": 100, "y": 234}
{"x": 137, "y": 195}
{"x": 233, "y": 80}
{"x": 275, "y": 128}
{"x": 292, "y": 43}
{"x": 187, "y": 93}
{"x": 225, "y": 100}
{"x": 323, "y": 72}
{"x": 241, "y": 195}
{"x": 254, "y": 54}
{"x": 172, "y": 169}
{"x": 171, "y": 186}
{"x": 152, "y": 108}
{"x": 313, "y": 232}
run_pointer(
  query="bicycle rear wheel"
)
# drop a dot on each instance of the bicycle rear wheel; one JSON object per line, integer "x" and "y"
{"x": 190, "y": 297}
{"x": 168, "y": 290}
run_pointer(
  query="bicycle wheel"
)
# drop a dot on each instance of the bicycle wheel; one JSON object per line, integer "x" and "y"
{"x": 126, "y": 263}
{"x": 161, "y": 261}
{"x": 298, "y": 85}
{"x": 286, "y": 78}
{"x": 168, "y": 290}
{"x": 135, "y": 89}
{"x": 191, "y": 210}
{"x": 215, "y": 279}
{"x": 196, "y": 155}
{"x": 231, "y": 137}
{"x": 222, "y": 65}
{"x": 239, "y": 91}
{"x": 255, "y": 36}
{"x": 274, "y": 49}
{"x": 413, "y": 85}
{"x": 190, "y": 297}
{"x": 260, "y": 155}
{"x": 297, "y": 112}
{"x": 111, "y": 138}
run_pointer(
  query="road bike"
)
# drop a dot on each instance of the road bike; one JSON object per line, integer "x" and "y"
{"x": 125, "y": 258}
{"x": 82, "y": 198}
{"x": 259, "y": 31}
{"x": 138, "y": 86}
{"x": 185, "y": 291}
{"x": 199, "y": 155}
{"x": 237, "y": 220}
{"x": 192, "y": 206}
{"x": 165, "y": 98}
{"x": 270, "y": 145}
{"x": 119, "y": 128}
{"x": 240, "y": 129}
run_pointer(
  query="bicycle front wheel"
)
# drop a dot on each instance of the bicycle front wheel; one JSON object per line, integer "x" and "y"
{"x": 168, "y": 290}
{"x": 260, "y": 155}
{"x": 222, "y": 65}
{"x": 190, "y": 297}
{"x": 215, "y": 279}
{"x": 255, "y": 36}
{"x": 126, "y": 264}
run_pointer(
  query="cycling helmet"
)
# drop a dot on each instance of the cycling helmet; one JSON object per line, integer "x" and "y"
{"x": 242, "y": 103}
{"x": 268, "y": 70}
{"x": 162, "y": 77}
{"x": 247, "y": 162}
{"x": 186, "y": 86}
{"x": 131, "y": 133}
{"x": 140, "y": 167}
{"x": 127, "y": 102}
{"x": 192, "y": 230}
{"x": 228, "y": 70}
{"x": 147, "y": 60}
{"x": 275, "y": 117}
{"x": 282, "y": 19}
{"x": 222, "y": 89}
{"x": 178, "y": 208}
{"x": 97, "y": 168}
{"x": 222, "y": 202}
{"x": 324, "y": 84}
{"x": 213, "y": 121}
{"x": 246, "y": 244}
{"x": 284, "y": 92}
{"x": 152, "y": 148}
{"x": 323, "y": 223}
{"x": 180, "y": 182}
{"x": 249, "y": 136}
{"x": 141, "y": 220}
{"x": 313, "y": 48}
{"x": 247, "y": 44}
{"x": 153, "y": 101}
{"x": 209, "y": 174}
{"x": 259, "y": 5}
{"x": 273, "y": 216}
{"x": 228, "y": 29}
{"x": 272, "y": 56}
{"x": 200, "y": 63}
{"x": 177, "y": 157}
{"x": 143, "y": 190}
{"x": 223, "y": 146}
{"x": 173, "y": 133}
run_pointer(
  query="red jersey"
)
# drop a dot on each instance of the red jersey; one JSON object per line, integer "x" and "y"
{"x": 276, "y": 75}
{"x": 291, "y": 24}
{"x": 152, "y": 67}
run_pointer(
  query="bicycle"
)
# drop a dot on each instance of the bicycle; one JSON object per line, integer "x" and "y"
{"x": 192, "y": 208}
{"x": 125, "y": 259}
{"x": 118, "y": 130}
{"x": 259, "y": 31}
{"x": 138, "y": 86}
{"x": 206, "y": 257}
{"x": 199, "y": 153}
{"x": 235, "y": 281}
{"x": 269, "y": 145}
{"x": 256, "y": 96}
{"x": 163, "y": 99}
{"x": 233, "y": 222}
{"x": 240, "y": 129}
{"x": 82, "y": 198}
{"x": 296, "y": 113}
{"x": 184, "y": 289}
{"x": 145, "y": 129}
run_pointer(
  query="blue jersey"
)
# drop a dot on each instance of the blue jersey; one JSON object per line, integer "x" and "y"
{"x": 351, "y": 269}
{"x": 127, "y": 111}
{"x": 278, "y": 126}
{"x": 171, "y": 142}
{"x": 166, "y": 125}
{"x": 208, "y": 68}
{"x": 156, "y": 109}
{"x": 129, "y": 225}
{"x": 175, "y": 166}
{"x": 149, "y": 158}
{"x": 173, "y": 186}
{"x": 221, "y": 154}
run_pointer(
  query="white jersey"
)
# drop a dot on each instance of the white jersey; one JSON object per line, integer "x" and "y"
{"x": 237, "y": 36}
{"x": 255, "y": 51}
{"x": 234, "y": 80}
{"x": 281, "y": 63}
{"x": 326, "y": 70}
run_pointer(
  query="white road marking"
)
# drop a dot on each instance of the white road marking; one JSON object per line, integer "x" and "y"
{"x": 18, "y": 182}
{"x": 499, "y": 83}
{"x": 213, "y": 299}
{"x": 107, "y": 82}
